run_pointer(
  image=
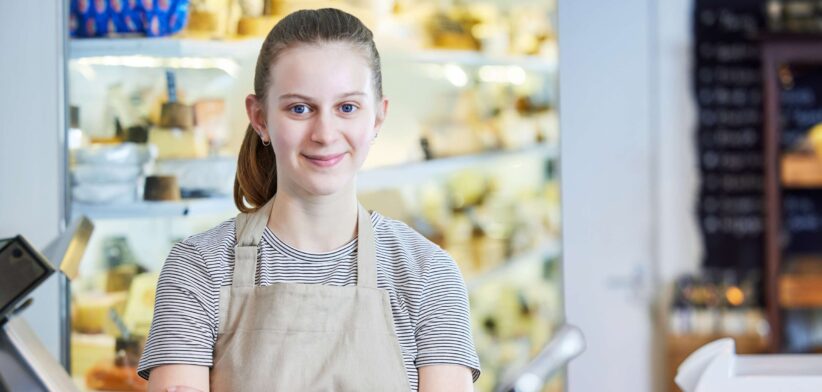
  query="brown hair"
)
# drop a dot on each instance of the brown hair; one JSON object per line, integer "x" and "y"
{"x": 256, "y": 179}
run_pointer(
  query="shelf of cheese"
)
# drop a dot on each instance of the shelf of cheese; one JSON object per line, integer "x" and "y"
{"x": 417, "y": 172}
{"x": 250, "y": 47}
{"x": 368, "y": 180}
{"x": 548, "y": 251}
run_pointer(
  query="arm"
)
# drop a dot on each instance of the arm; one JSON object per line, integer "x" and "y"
{"x": 179, "y": 347}
{"x": 445, "y": 378}
{"x": 186, "y": 378}
{"x": 447, "y": 359}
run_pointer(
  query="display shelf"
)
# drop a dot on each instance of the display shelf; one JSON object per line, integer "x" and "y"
{"x": 473, "y": 58}
{"x": 250, "y": 47}
{"x": 549, "y": 249}
{"x": 163, "y": 47}
{"x": 413, "y": 173}
{"x": 154, "y": 209}
{"x": 368, "y": 180}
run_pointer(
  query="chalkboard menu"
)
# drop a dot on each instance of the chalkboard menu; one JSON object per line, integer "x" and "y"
{"x": 728, "y": 90}
{"x": 801, "y": 109}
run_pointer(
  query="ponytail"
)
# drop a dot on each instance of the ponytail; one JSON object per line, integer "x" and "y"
{"x": 256, "y": 179}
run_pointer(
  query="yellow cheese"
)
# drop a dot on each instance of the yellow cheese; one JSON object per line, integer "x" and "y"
{"x": 91, "y": 312}
{"x": 89, "y": 349}
{"x": 256, "y": 26}
{"x": 173, "y": 143}
{"x": 140, "y": 305}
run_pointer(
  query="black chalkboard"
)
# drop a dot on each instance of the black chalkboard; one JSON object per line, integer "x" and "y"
{"x": 728, "y": 91}
{"x": 801, "y": 109}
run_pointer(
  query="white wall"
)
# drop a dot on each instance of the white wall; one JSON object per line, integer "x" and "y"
{"x": 31, "y": 122}
{"x": 629, "y": 180}
{"x": 680, "y": 247}
{"x": 679, "y": 243}
{"x": 607, "y": 190}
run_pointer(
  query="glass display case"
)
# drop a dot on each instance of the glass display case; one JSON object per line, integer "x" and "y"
{"x": 468, "y": 156}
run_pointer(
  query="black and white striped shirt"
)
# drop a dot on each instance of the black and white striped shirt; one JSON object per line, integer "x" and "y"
{"x": 428, "y": 296}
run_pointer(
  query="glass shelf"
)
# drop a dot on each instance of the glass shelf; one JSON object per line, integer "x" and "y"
{"x": 368, "y": 180}
{"x": 98, "y": 48}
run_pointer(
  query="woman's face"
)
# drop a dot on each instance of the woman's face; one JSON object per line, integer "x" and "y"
{"x": 321, "y": 115}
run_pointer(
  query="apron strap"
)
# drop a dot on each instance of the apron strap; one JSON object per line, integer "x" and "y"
{"x": 366, "y": 251}
{"x": 249, "y": 229}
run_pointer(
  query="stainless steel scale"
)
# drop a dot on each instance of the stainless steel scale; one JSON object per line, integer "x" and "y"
{"x": 25, "y": 363}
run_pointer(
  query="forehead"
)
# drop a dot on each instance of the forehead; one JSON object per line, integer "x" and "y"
{"x": 321, "y": 70}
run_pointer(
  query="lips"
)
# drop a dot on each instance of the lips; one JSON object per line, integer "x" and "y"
{"x": 324, "y": 160}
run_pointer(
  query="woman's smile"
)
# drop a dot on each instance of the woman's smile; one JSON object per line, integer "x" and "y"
{"x": 324, "y": 160}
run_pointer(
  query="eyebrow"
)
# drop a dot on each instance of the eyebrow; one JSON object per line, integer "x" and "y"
{"x": 309, "y": 99}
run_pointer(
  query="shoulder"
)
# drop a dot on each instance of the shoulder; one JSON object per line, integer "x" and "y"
{"x": 397, "y": 240}
{"x": 206, "y": 251}
{"x": 222, "y": 232}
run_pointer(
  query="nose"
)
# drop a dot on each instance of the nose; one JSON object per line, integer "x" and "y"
{"x": 325, "y": 129}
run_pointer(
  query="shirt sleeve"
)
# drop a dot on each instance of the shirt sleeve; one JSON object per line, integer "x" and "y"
{"x": 183, "y": 328}
{"x": 443, "y": 330}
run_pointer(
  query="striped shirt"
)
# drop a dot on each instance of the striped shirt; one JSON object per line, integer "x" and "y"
{"x": 429, "y": 302}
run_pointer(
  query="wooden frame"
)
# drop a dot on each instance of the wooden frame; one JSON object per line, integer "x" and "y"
{"x": 776, "y": 51}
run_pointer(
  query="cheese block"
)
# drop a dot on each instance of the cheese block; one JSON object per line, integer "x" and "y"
{"x": 176, "y": 115}
{"x": 140, "y": 304}
{"x": 91, "y": 312}
{"x": 203, "y": 23}
{"x": 90, "y": 349}
{"x": 256, "y": 26}
{"x": 176, "y": 143}
{"x": 162, "y": 188}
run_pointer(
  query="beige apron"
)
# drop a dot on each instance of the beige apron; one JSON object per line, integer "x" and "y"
{"x": 299, "y": 337}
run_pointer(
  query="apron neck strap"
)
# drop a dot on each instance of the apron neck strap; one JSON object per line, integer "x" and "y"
{"x": 249, "y": 230}
{"x": 366, "y": 252}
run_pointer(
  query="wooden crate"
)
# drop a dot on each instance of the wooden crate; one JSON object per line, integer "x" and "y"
{"x": 679, "y": 347}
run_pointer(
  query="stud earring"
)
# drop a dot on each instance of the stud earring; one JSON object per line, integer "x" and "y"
{"x": 260, "y": 134}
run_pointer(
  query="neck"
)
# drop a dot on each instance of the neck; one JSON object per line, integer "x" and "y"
{"x": 315, "y": 224}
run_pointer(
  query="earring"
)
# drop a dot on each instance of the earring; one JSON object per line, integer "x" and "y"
{"x": 260, "y": 134}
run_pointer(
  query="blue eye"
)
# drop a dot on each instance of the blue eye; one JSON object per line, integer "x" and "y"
{"x": 299, "y": 109}
{"x": 348, "y": 108}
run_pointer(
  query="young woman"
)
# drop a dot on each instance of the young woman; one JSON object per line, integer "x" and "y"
{"x": 306, "y": 290}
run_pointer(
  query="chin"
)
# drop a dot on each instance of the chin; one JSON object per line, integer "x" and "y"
{"x": 324, "y": 187}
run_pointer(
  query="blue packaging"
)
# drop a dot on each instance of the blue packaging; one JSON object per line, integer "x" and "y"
{"x": 153, "y": 18}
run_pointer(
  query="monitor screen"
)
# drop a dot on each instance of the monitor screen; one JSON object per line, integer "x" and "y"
{"x": 21, "y": 270}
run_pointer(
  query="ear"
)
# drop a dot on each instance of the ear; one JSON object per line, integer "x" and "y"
{"x": 256, "y": 116}
{"x": 382, "y": 111}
